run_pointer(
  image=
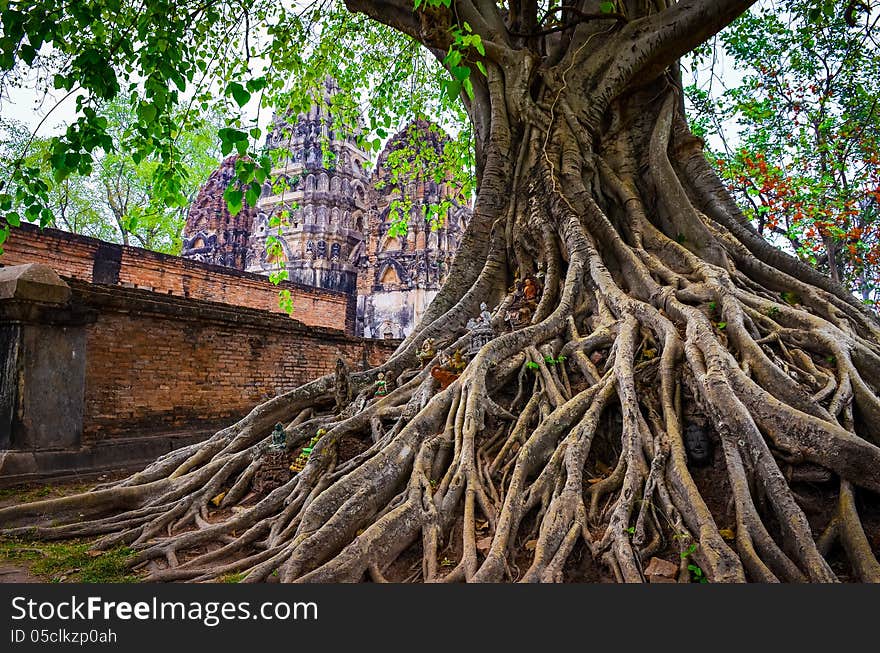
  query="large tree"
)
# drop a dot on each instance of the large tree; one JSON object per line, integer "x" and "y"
{"x": 661, "y": 312}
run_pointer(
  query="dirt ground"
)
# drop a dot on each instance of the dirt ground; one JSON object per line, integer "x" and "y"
{"x": 23, "y": 562}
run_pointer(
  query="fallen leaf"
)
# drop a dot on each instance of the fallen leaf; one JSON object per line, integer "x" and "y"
{"x": 531, "y": 545}
{"x": 727, "y": 533}
{"x": 94, "y": 554}
{"x": 593, "y": 481}
{"x": 216, "y": 500}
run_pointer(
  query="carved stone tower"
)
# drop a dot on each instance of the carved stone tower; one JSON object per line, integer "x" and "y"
{"x": 323, "y": 186}
{"x": 400, "y": 274}
{"x": 212, "y": 234}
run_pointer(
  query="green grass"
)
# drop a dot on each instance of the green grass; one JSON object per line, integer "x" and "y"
{"x": 70, "y": 561}
{"x": 15, "y": 495}
{"x": 24, "y": 496}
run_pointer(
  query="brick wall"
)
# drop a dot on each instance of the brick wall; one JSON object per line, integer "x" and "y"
{"x": 159, "y": 364}
{"x": 89, "y": 259}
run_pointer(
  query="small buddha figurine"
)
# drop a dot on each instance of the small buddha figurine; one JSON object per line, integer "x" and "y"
{"x": 381, "y": 385}
{"x": 427, "y": 352}
{"x": 485, "y": 314}
{"x": 530, "y": 290}
{"x": 444, "y": 376}
{"x": 458, "y": 363}
{"x": 300, "y": 463}
{"x": 480, "y": 330}
{"x": 279, "y": 437}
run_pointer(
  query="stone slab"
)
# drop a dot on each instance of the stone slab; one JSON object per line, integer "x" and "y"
{"x": 33, "y": 282}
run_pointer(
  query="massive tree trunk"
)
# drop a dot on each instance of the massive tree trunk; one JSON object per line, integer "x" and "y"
{"x": 562, "y": 445}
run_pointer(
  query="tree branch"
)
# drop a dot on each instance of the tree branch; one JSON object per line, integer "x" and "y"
{"x": 402, "y": 16}
{"x": 675, "y": 31}
{"x": 580, "y": 17}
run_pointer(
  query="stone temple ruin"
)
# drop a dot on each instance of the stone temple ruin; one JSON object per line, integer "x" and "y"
{"x": 336, "y": 235}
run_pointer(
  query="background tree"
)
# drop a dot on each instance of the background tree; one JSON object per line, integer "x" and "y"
{"x": 661, "y": 318}
{"x": 114, "y": 202}
{"x": 804, "y": 164}
{"x": 71, "y": 201}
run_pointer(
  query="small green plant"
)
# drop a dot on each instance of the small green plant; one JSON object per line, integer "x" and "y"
{"x": 721, "y": 325}
{"x": 532, "y": 365}
{"x": 697, "y": 574}
{"x": 772, "y": 311}
{"x": 713, "y": 306}
{"x": 446, "y": 562}
{"x": 680, "y": 238}
{"x": 631, "y": 530}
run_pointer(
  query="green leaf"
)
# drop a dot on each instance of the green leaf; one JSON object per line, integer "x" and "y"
{"x": 461, "y": 73}
{"x": 606, "y": 7}
{"x": 453, "y": 58}
{"x": 478, "y": 45}
{"x": 252, "y": 195}
{"x": 233, "y": 198}
{"x": 453, "y": 88}
{"x": 238, "y": 92}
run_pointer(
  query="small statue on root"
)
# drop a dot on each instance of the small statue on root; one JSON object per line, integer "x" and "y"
{"x": 526, "y": 294}
{"x": 300, "y": 463}
{"x": 427, "y": 352}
